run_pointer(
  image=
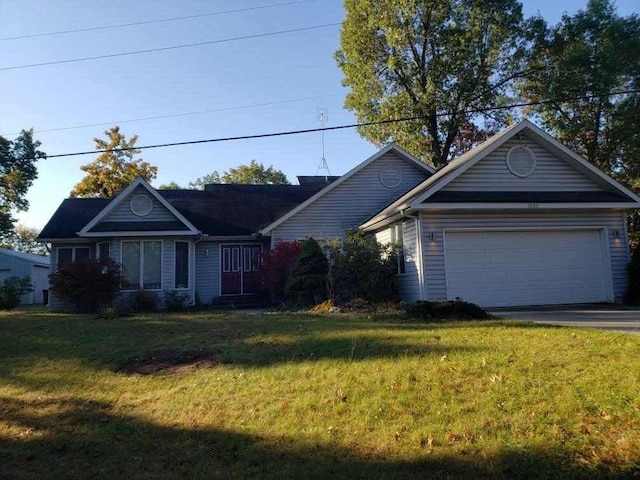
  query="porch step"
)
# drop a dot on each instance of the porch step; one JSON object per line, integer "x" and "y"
{"x": 240, "y": 301}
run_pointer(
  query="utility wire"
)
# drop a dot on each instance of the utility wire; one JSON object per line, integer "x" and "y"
{"x": 148, "y": 22}
{"x": 172, "y": 47}
{"x": 338, "y": 127}
{"x": 181, "y": 114}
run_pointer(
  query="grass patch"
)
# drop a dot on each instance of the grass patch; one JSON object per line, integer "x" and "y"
{"x": 304, "y": 396}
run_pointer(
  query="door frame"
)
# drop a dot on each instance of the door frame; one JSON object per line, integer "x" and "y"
{"x": 221, "y": 260}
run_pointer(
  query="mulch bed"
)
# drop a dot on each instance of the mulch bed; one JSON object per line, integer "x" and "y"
{"x": 168, "y": 362}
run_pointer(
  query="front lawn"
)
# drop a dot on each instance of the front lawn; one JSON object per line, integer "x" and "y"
{"x": 301, "y": 396}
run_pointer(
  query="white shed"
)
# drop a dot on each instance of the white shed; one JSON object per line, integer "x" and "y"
{"x": 20, "y": 264}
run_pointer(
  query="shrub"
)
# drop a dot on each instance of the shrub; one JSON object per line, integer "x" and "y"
{"x": 142, "y": 301}
{"x": 176, "y": 301}
{"x": 633, "y": 289}
{"x": 307, "y": 282}
{"x": 276, "y": 267}
{"x": 442, "y": 311}
{"x": 87, "y": 284}
{"x": 363, "y": 269}
{"x": 11, "y": 289}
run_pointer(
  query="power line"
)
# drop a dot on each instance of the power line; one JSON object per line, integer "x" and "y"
{"x": 339, "y": 127}
{"x": 181, "y": 114}
{"x": 148, "y": 22}
{"x": 173, "y": 47}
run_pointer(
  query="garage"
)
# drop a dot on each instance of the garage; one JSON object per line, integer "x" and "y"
{"x": 509, "y": 268}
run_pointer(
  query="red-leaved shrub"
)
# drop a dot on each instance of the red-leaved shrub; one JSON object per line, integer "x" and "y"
{"x": 276, "y": 267}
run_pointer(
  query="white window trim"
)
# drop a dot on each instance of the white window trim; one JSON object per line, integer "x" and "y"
{"x": 188, "y": 287}
{"x": 140, "y": 282}
{"x": 73, "y": 252}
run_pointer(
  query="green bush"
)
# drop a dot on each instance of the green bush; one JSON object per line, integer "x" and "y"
{"x": 142, "y": 301}
{"x": 11, "y": 289}
{"x": 443, "y": 311}
{"x": 363, "y": 269}
{"x": 632, "y": 295}
{"x": 87, "y": 284}
{"x": 306, "y": 284}
{"x": 176, "y": 301}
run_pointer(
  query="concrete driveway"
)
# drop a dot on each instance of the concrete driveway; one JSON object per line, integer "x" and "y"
{"x": 610, "y": 317}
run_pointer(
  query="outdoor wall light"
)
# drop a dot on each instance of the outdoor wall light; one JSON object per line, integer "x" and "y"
{"x": 431, "y": 236}
{"x": 616, "y": 233}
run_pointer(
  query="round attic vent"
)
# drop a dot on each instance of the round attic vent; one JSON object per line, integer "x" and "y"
{"x": 141, "y": 205}
{"x": 390, "y": 176}
{"x": 521, "y": 161}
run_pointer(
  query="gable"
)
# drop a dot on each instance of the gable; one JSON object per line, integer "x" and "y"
{"x": 124, "y": 212}
{"x": 551, "y": 173}
{"x": 355, "y": 199}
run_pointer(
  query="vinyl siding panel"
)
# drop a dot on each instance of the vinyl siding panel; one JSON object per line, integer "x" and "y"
{"x": 434, "y": 255}
{"x": 207, "y": 274}
{"x": 123, "y": 213}
{"x": 551, "y": 174}
{"x": 351, "y": 202}
{"x": 409, "y": 283}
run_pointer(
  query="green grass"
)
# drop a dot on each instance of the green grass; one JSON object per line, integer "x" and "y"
{"x": 301, "y": 396}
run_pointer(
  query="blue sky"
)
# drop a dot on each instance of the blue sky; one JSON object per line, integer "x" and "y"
{"x": 282, "y": 68}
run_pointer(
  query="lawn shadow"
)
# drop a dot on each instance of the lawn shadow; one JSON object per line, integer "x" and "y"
{"x": 86, "y": 439}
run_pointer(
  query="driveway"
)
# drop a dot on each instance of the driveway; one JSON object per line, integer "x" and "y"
{"x": 608, "y": 317}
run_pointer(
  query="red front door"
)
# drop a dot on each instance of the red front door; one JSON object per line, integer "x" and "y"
{"x": 240, "y": 269}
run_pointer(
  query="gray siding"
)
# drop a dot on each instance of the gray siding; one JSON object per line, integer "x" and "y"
{"x": 551, "y": 174}
{"x": 409, "y": 283}
{"x": 122, "y": 213}
{"x": 350, "y": 203}
{"x": 433, "y": 251}
{"x": 207, "y": 272}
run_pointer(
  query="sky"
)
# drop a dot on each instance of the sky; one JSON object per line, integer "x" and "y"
{"x": 243, "y": 87}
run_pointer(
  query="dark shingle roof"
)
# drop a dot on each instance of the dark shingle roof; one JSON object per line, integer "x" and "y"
{"x": 220, "y": 209}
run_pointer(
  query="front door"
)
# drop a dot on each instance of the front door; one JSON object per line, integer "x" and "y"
{"x": 240, "y": 269}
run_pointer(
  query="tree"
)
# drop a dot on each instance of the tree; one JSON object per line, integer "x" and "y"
{"x": 589, "y": 55}
{"x": 114, "y": 169}
{"x": 255, "y": 174}
{"x": 306, "y": 284}
{"x": 18, "y": 170}
{"x": 432, "y": 59}
{"x": 170, "y": 186}
{"x": 23, "y": 239}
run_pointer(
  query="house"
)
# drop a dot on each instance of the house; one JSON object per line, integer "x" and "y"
{"x": 519, "y": 220}
{"x": 20, "y": 264}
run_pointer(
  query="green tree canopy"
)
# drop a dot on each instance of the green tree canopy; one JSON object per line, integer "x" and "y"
{"x": 23, "y": 239}
{"x": 578, "y": 63}
{"x": 113, "y": 171}
{"x": 18, "y": 170}
{"x": 169, "y": 186}
{"x": 255, "y": 174}
{"x": 433, "y": 59}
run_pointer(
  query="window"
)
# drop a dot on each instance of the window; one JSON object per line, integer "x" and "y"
{"x": 103, "y": 251}
{"x": 142, "y": 265}
{"x": 181, "y": 278}
{"x": 397, "y": 238}
{"x": 235, "y": 259}
{"x": 226, "y": 259}
{"x": 72, "y": 254}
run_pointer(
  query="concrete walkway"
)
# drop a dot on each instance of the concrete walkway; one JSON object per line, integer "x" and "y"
{"x": 608, "y": 317}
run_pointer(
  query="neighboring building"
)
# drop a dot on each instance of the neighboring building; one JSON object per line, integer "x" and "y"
{"x": 20, "y": 264}
{"x": 519, "y": 220}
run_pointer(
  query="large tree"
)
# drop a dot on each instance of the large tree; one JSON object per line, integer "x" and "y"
{"x": 578, "y": 64}
{"x": 255, "y": 174}
{"x": 23, "y": 239}
{"x": 433, "y": 59}
{"x": 18, "y": 170}
{"x": 114, "y": 169}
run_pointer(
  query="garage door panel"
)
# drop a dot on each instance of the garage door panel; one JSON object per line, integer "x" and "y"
{"x": 526, "y": 268}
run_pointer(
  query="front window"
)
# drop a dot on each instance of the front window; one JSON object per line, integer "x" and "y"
{"x": 182, "y": 265}
{"x": 72, "y": 254}
{"x": 142, "y": 265}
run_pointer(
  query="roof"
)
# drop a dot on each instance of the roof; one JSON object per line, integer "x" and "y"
{"x": 219, "y": 210}
{"x": 423, "y": 194}
{"x": 391, "y": 147}
{"x": 316, "y": 179}
{"x": 42, "y": 260}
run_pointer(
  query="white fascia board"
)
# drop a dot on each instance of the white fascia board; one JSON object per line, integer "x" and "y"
{"x": 160, "y": 233}
{"x": 63, "y": 240}
{"x": 123, "y": 196}
{"x": 342, "y": 179}
{"x": 527, "y": 206}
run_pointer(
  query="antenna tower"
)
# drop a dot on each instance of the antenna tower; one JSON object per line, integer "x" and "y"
{"x": 322, "y": 115}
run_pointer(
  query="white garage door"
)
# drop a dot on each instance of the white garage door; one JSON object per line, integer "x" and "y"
{"x": 496, "y": 269}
